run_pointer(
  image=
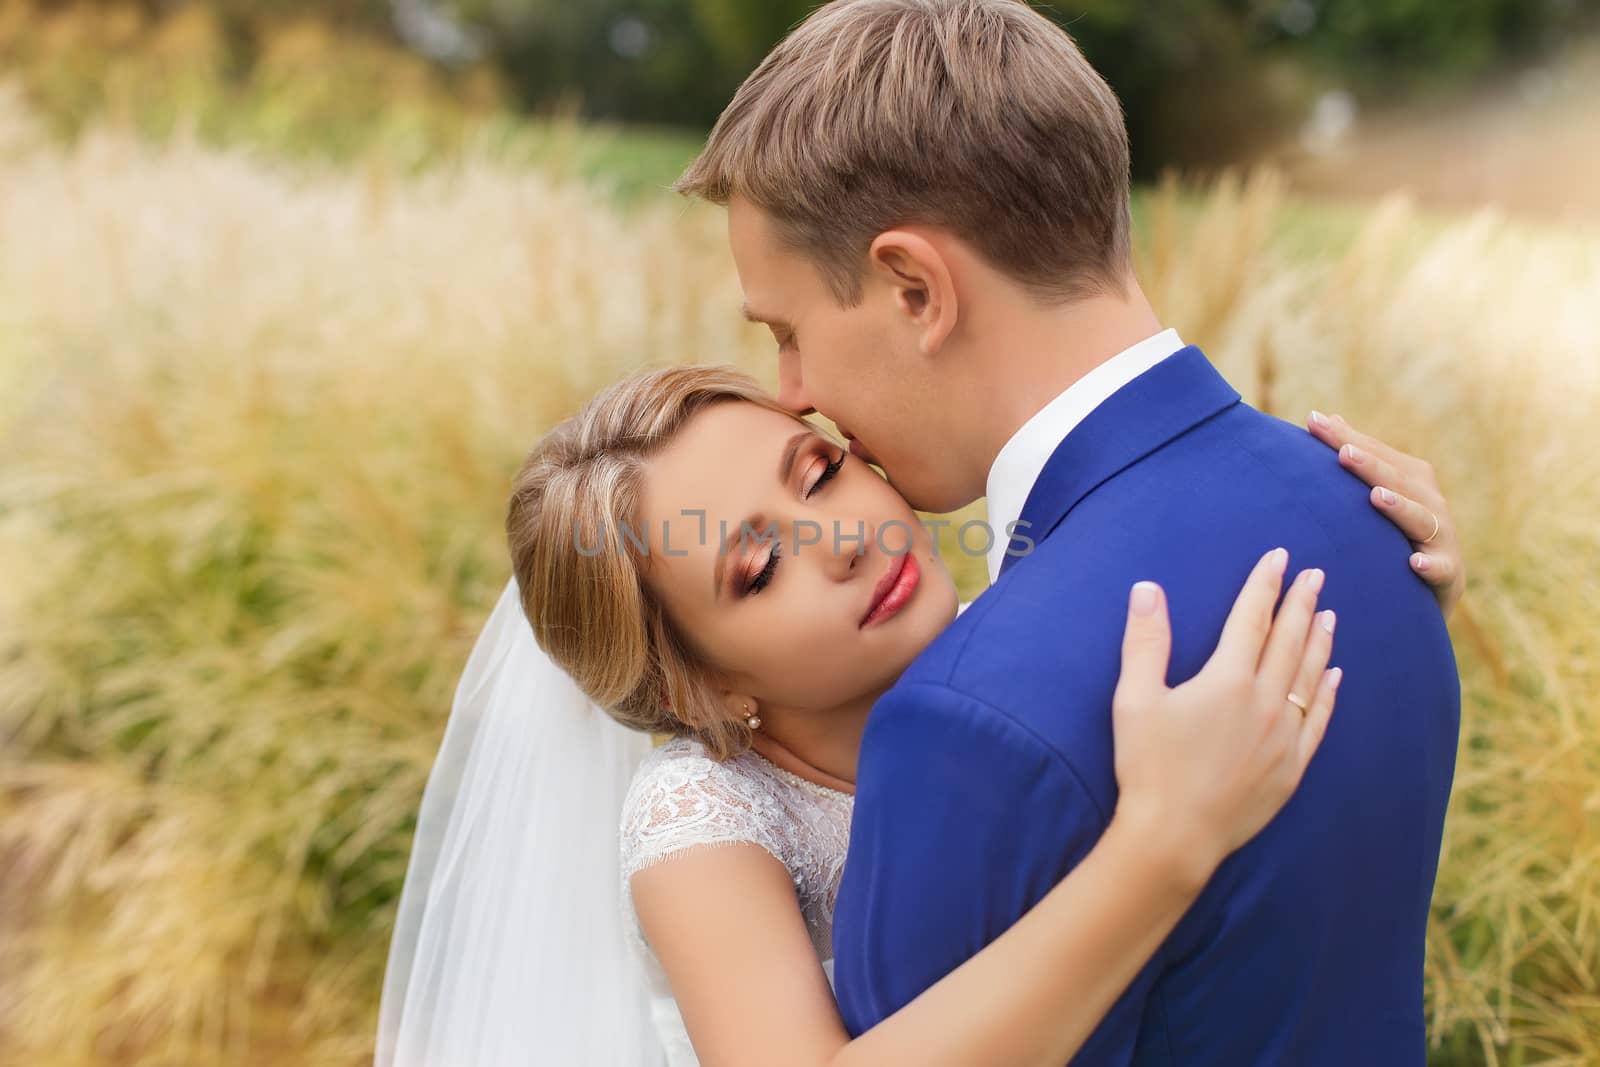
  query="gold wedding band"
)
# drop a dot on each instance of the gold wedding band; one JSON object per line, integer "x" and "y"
{"x": 1297, "y": 702}
{"x": 1430, "y": 537}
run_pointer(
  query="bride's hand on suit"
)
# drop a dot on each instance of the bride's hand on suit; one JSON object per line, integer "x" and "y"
{"x": 1406, "y": 491}
{"x": 1203, "y": 766}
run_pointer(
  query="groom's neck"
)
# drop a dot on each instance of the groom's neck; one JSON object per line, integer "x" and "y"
{"x": 1032, "y": 352}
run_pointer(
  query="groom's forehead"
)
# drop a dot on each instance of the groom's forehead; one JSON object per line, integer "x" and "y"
{"x": 778, "y": 278}
{"x": 759, "y": 250}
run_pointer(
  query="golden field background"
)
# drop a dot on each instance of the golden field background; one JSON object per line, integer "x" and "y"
{"x": 258, "y": 416}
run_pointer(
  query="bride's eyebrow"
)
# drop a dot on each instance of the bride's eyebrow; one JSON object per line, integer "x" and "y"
{"x": 791, "y": 449}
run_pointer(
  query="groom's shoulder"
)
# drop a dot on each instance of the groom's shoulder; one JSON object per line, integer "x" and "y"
{"x": 1054, "y": 618}
{"x": 1246, "y": 470}
{"x": 1007, "y": 676}
{"x": 1009, "y": 639}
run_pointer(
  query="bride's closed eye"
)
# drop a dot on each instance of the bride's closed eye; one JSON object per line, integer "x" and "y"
{"x": 763, "y": 577}
{"x": 828, "y": 471}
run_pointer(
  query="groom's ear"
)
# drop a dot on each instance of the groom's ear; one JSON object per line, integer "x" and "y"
{"x": 919, "y": 279}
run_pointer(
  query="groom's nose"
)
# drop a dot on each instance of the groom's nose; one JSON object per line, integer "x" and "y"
{"x": 791, "y": 386}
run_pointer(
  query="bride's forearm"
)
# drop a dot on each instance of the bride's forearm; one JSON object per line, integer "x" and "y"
{"x": 1036, "y": 993}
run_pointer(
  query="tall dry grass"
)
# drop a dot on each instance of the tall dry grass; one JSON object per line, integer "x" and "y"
{"x": 259, "y": 428}
{"x": 258, "y": 424}
{"x": 1476, "y": 346}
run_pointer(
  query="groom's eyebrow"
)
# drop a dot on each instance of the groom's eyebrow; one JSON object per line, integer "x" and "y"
{"x": 752, "y": 315}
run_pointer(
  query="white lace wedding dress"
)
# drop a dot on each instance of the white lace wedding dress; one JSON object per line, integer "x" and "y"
{"x": 511, "y": 934}
{"x": 682, "y": 799}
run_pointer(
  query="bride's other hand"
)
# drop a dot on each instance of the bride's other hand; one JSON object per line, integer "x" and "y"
{"x": 1202, "y": 767}
{"x": 1406, "y": 491}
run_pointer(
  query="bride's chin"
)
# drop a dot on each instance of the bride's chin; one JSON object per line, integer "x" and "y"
{"x": 943, "y": 599}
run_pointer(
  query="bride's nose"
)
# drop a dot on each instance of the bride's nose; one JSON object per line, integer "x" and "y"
{"x": 837, "y": 546}
{"x": 850, "y": 548}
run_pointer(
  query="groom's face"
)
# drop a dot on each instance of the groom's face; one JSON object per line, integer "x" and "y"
{"x": 857, "y": 365}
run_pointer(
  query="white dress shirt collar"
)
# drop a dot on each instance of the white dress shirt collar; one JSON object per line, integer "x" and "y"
{"x": 1022, "y": 460}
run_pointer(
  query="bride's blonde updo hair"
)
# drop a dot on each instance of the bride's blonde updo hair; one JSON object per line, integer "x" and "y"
{"x": 591, "y": 610}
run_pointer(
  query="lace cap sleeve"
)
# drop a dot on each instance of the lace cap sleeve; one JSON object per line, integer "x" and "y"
{"x": 683, "y": 799}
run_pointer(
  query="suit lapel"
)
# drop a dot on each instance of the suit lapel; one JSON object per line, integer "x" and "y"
{"x": 1160, "y": 405}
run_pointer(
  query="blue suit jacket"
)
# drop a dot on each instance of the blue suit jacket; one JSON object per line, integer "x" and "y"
{"x": 986, "y": 773}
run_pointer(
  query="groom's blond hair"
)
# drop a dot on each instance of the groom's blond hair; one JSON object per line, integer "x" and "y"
{"x": 977, "y": 116}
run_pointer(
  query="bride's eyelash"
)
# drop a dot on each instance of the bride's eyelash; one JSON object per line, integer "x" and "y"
{"x": 827, "y": 473}
{"x": 760, "y": 581}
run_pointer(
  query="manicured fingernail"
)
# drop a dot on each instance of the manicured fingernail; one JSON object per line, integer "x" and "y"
{"x": 1388, "y": 496}
{"x": 1333, "y": 678}
{"x": 1144, "y": 598}
{"x": 1328, "y": 620}
{"x": 1279, "y": 559}
{"x": 1354, "y": 454}
{"x": 1421, "y": 562}
{"x": 1313, "y": 579}
{"x": 1318, "y": 420}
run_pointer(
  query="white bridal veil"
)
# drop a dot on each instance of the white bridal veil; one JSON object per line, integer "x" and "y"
{"x": 508, "y": 948}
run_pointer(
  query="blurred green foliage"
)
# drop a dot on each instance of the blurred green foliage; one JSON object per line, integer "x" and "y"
{"x": 329, "y": 89}
{"x": 1203, "y": 81}
{"x": 291, "y": 86}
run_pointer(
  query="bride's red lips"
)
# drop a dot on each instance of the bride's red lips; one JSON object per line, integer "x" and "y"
{"x": 893, "y": 589}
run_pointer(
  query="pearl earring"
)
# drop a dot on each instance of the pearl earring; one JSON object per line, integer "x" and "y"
{"x": 752, "y": 721}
